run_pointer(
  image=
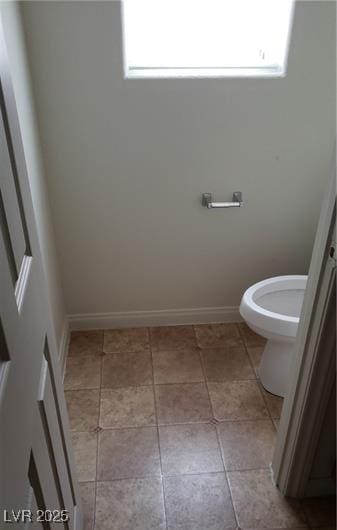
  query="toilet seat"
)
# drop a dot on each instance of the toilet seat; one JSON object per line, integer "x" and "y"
{"x": 258, "y": 300}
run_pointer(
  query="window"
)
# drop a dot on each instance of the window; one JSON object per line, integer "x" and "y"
{"x": 206, "y": 38}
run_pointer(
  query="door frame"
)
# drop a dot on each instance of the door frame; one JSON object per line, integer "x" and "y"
{"x": 313, "y": 373}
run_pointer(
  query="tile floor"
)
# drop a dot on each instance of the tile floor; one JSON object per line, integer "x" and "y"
{"x": 172, "y": 430}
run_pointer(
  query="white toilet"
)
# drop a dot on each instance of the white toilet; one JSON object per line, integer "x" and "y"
{"x": 272, "y": 309}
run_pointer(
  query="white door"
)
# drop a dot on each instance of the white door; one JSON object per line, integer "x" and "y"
{"x": 36, "y": 465}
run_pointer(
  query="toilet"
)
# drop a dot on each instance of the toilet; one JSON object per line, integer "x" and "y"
{"x": 272, "y": 309}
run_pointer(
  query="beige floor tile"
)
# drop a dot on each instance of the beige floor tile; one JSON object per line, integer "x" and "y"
{"x": 126, "y": 340}
{"x": 247, "y": 444}
{"x": 128, "y": 453}
{"x": 182, "y": 366}
{"x": 184, "y": 403}
{"x": 217, "y": 335}
{"x": 127, "y": 407}
{"x": 274, "y": 403}
{"x": 198, "y": 502}
{"x": 83, "y": 409}
{"x": 85, "y": 342}
{"x": 251, "y": 339}
{"x": 85, "y": 449}
{"x": 320, "y": 511}
{"x": 259, "y": 504}
{"x": 126, "y": 369}
{"x": 87, "y": 492}
{"x": 83, "y": 372}
{"x": 227, "y": 364}
{"x": 187, "y": 449}
{"x": 135, "y": 504}
{"x": 255, "y": 355}
{"x": 237, "y": 400}
{"x": 172, "y": 338}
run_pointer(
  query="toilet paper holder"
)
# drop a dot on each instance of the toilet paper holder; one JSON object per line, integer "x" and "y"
{"x": 208, "y": 202}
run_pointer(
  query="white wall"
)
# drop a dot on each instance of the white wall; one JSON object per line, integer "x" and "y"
{"x": 30, "y": 136}
{"x": 127, "y": 161}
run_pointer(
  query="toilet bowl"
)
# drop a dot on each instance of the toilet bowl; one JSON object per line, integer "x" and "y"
{"x": 272, "y": 309}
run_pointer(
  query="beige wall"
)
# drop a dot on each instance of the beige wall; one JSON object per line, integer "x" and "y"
{"x": 127, "y": 161}
{"x": 30, "y": 136}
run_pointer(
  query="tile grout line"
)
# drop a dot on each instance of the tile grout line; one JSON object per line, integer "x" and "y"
{"x": 98, "y": 427}
{"x": 266, "y": 405}
{"x": 258, "y": 380}
{"x": 164, "y": 350}
{"x": 205, "y": 379}
{"x": 157, "y": 429}
{"x": 177, "y": 424}
{"x": 225, "y": 467}
{"x": 202, "y": 381}
{"x": 152, "y": 425}
{"x": 247, "y": 352}
{"x": 170, "y": 475}
{"x": 204, "y": 374}
{"x": 217, "y": 436}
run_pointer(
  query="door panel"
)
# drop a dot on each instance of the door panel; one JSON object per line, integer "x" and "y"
{"x": 7, "y": 242}
{"x": 43, "y": 475}
{"x": 49, "y": 419}
{"x": 33, "y": 507}
{"x": 4, "y": 359}
{"x": 10, "y": 201}
{"x": 36, "y": 463}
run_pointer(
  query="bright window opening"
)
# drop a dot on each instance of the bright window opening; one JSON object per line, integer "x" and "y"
{"x": 206, "y": 38}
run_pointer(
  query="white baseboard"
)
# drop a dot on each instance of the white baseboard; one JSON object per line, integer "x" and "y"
{"x": 163, "y": 317}
{"x": 64, "y": 345}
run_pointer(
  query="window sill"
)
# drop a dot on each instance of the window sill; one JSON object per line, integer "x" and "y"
{"x": 203, "y": 73}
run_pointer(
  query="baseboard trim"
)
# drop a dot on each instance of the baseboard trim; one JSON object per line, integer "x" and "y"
{"x": 64, "y": 346}
{"x": 163, "y": 317}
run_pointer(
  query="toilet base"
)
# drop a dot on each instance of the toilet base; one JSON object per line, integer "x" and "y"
{"x": 275, "y": 366}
